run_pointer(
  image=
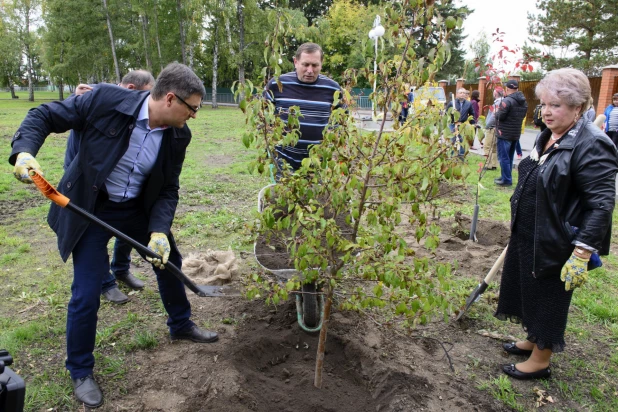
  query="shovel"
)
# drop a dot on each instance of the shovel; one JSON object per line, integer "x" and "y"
{"x": 480, "y": 289}
{"x": 58, "y": 198}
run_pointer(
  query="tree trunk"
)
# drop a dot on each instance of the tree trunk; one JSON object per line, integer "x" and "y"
{"x": 111, "y": 39}
{"x": 12, "y": 89}
{"x": 60, "y": 82}
{"x": 30, "y": 79}
{"x": 156, "y": 17}
{"x": 28, "y": 56}
{"x": 60, "y": 90}
{"x": 146, "y": 41}
{"x": 241, "y": 44}
{"x": 319, "y": 359}
{"x": 215, "y": 67}
{"x": 182, "y": 33}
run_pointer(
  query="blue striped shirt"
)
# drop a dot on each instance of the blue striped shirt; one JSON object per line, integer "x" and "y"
{"x": 126, "y": 180}
{"x": 315, "y": 101}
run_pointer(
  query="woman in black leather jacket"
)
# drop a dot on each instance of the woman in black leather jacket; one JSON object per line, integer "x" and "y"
{"x": 560, "y": 215}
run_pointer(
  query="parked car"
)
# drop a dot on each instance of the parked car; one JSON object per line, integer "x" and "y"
{"x": 429, "y": 96}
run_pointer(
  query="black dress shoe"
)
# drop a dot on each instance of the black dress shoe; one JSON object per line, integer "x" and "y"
{"x": 511, "y": 370}
{"x": 512, "y": 348}
{"x": 131, "y": 281}
{"x": 500, "y": 182}
{"x": 114, "y": 295}
{"x": 88, "y": 392}
{"x": 196, "y": 335}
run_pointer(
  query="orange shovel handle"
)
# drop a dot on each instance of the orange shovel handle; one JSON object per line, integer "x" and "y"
{"x": 48, "y": 190}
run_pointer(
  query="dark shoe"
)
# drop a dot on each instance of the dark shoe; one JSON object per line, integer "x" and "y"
{"x": 500, "y": 182}
{"x": 490, "y": 168}
{"x": 114, "y": 295}
{"x": 196, "y": 335}
{"x": 511, "y": 370}
{"x": 512, "y": 348}
{"x": 131, "y": 281}
{"x": 88, "y": 392}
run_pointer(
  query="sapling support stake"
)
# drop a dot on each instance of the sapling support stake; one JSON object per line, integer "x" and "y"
{"x": 319, "y": 360}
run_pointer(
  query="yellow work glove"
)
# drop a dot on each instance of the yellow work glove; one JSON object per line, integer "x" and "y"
{"x": 161, "y": 246}
{"x": 574, "y": 272}
{"x": 24, "y": 163}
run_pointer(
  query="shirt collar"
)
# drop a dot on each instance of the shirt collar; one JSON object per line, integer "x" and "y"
{"x": 143, "y": 117}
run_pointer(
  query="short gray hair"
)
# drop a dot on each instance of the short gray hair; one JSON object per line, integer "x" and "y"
{"x": 309, "y": 48}
{"x": 178, "y": 79}
{"x": 139, "y": 78}
{"x": 570, "y": 86}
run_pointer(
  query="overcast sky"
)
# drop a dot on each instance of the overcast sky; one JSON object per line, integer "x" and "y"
{"x": 509, "y": 16}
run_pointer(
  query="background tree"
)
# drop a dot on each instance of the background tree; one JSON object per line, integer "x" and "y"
{"x": 10, "y": 56}
{"x": 475, "y": 67}
{"x": 578, "y": 33}
{"x": 23, "y": 13}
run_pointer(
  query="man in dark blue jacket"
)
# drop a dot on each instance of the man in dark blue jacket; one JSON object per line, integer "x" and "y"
{"x": 126, "y": 173}
{"x": 121, "y": 258}
{"x": 509, "y": 118}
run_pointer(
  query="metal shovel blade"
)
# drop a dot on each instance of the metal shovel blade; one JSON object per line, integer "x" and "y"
{"x": 481, "y": 287}
{"x": 217, "y": 291}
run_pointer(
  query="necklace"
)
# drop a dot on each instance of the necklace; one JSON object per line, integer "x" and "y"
{"x": 554, "y": 138}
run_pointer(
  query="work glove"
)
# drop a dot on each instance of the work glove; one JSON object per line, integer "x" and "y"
{"x": 24, "y": 163}
{"x": 574, "y": 272}
{"x": 161, "y": 246}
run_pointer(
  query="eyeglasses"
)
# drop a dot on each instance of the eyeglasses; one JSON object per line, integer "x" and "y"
{"x": 193, "y": 109}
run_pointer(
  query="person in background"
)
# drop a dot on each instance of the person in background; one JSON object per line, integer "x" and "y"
{"x": 510, "y": 115}
{"x": 518, "y": 150}
{"x": 561, "y": 214}
{"x": 490, "y": 144}
{"x": 131, "y": 153}
{"x": 121, "y": 258}
{"x": 590, "y": 113}
{"x": 475, "y": 100}
{"x": 611, "y": 120}
{"x": 313, "y": 92}
{"x": 466, "y": 114}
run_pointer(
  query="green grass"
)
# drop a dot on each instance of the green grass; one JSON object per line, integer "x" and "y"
{"x": 502, "y": 389}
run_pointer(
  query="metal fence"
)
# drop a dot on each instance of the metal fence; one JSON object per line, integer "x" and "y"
{"x": 360, "y": 102}
{"x": 36, "y": 89}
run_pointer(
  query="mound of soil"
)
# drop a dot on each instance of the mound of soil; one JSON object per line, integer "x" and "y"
{"x": 268, "y": 362}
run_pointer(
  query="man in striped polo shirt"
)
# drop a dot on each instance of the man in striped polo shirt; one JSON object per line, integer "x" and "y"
{"x": 313, "y": 93}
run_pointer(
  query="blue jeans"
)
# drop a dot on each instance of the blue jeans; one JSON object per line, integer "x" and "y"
{"x": 91, "y": 265}
{"x": 506, "y": 155}
{"x": 518, "y": 148}
{"x": 121, "y": 261}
